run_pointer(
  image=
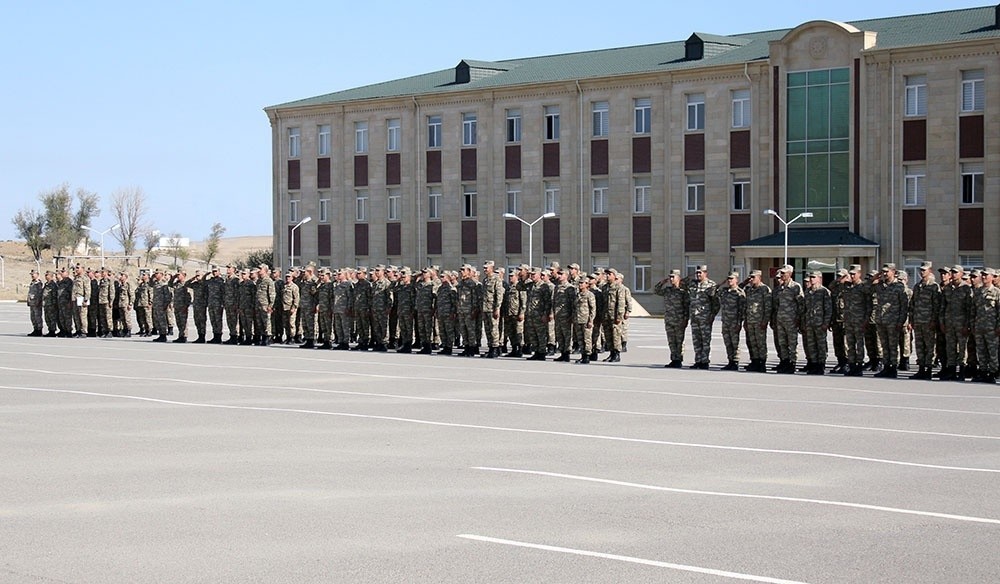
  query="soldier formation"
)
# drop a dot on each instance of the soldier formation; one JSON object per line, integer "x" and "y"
{"x": 953, "y": 325}
{"x": 534, "y": 313}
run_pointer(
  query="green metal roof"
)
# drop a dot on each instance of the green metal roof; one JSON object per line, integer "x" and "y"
{"x": 894, "y": 32}
{"x": 811, "y": 236}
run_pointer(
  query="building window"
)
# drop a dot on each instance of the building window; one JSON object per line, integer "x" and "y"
{"x": 738, "y": 268}
{"x": 643, "y": 115}
{"x": 741, "y": 108}
{"x": 691, "y": 264}
{"x": 973, "y": 181}
{"x": 912, "y": 268}
{"x": 323, "y": 140}
{"x": 973, "y": 94}
{"x": 513, "y": 125}
{"x": 741, "y": 194}
{"x": 324, "y": 210}
{"x": 513, "y": 199}
{"x": 915, "y": 185}
{"x": 550, "y": 197}
{"x": 599, "y": 263}
{"x": 551, "y": 122}
{"x": 361, "y": 205}
{"x": 971, "y": 262}
{"x": 600, "y": 197}
{"x": 433, "y": 131}
{"x": 393, "y": 135}
{"x": 601, "y": 120}
{"x": 392, "y": 204}
{"x": 640, "y": 194}
{"x": 434, "y": 203}
{"x": 361, "y": 137}
{"x": 468, "y": 129}
{"x": 818, "y": 127}
{"x": 916, "y": 95}
{"x": 293, "y": 211}
{"x": 695, "y": 112}
{"x": 468, "y": 201}
{"x": 695, "y": 193}
{"x": 643, "y": 274}
{"x": 294, "y": 143}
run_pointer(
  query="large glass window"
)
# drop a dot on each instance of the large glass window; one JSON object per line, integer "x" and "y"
{"x": 294, "y": 143}
{"x": 741, "y": 108}
{"x": 323, "y": 140}
{"x": 695, "y": 112}
{"x": 551, "y": 122}
{"x": 741, "y": 193}
{"x": 640, "y": 199}
{"x": 643, "y": 274}
{"x": 469, "y": 129}
{"x": 513, "y": 125}
{"x": 916, "y": 95}
{"x": 973, "y": 182}
{"x": 818, "y": 145}
{"x": 468, "y": 201}
{"x": 361, "y": 137}
{"x": 643, "y": 115}
{"x": 600, "y": 197}
{"x": 551, "y": 197}
{"x": 695, "y": 193}
{"x": 973, "y": 95}
{"x": 392, "y": 135}
{"x": 914, "y": 181}
{"x": 433, "y": 131}
{"x": 513, "y": 199}
{"x": 601, "y": 121}
{"x": 393, "y": 198}
{"x": 434, "y": 203}
{"x": 361, "y": 205}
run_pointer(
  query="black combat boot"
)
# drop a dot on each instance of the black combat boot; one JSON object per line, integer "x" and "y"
{"x": 538, "y": 356}
{"x": 160, "y": 339}
{"x": 593, "y": 355}
{"x": 425, "y": 349}
{"x": 731, "y": 366}
{"x": 563, "y": 357}
{"x": 616, "y": 356}
{"x": 674, "y": 364}
{"x": 904, "y": 364}
{"x": 406, "y": 348}
{"x": 180, "y": 340}
{"x": 584, "y": 359}
{"x": 200, "y": 340}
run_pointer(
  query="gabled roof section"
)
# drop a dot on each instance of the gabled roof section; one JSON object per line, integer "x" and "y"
{"x": 894, "y": 32}
{"x": 701, "y": 45}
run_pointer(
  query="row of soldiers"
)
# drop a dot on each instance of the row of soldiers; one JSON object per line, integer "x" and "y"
{"x": 954, "y": 324}
{"x": 536, "y": 312}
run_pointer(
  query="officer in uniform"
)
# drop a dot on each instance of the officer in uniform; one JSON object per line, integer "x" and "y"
{"x": 817, "y": 314}
{"x": 182, "y": 304}
{"x": 492, "y": 299}
{"x": 124, "y": 300}
{"x": 733, "y": 307}
{"x": 925, "y": 306}
{"x": 162, "y": 300}
{"x": 200, "y": 304}
{"x": 308, "y": 285}
{"x": 216, "y": 288}
{"x": 562, "y": 313}
{"x": 406, "y": 305}
{"x": 675, "y": 315}
{"x": 837, "y": 324}
{"x": 584, "y": 309}
{"x": 987, "y": 327}
{"x": 787, "y": 302}
{"x": 856, "y": 311}
{"x": 615, "y": 309}
{"x": 231, "y": 300}
{"x": 290, "y": 307}
{"x": 144, "y": 304}
{"x": 35, "y": 306}
{"x": 538, "y": 313}
{"x": 381, "y": 305}
{"x": 81, "y": 302}
{"x": 50, "y": 303}
{"x": 324, "y": 306}
{"x": 892, "y": 308}
{"x": 362, "y": 310}
{"x": 703, "y": 305}
{"x": 758, "y": 316}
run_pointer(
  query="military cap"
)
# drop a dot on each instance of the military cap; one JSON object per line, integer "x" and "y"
{"x": 524, "y": 267}
{"x": 733, "y": 275}
{"x": 975, "y": 273}
{"x": 467, "y": 267}
{"x": 406, "y": 271}
{"x": 263, "y": 267}
{"x": 610, "y": 271}
{"x": 944, "y": 270}
{"x": 574, "y": 266}
{"x": 854, "y": 267}
{"x": 926, "y": 265}
{"x": 392, "y": 268}
{"x": 966, "y": 276}
{"x": 752, "y": 273}
{"x": 488, "y": 264}
{"x": 957, "y": 268}
{"x": 592, "y": 277}
{"x": 786, "y": 269}
{"x": 842, "y": 272}
{"x": 595, "y": 275}
{"x": 888, "y": 266}
{"x": 230, "y": 265}
{"x": 197, "y": 272}
{"x": 33, "y": 272}
{"x": 379, "y": 267}
{"x": 701, "y": 268}
{"x": 436, "y": 268}
{"x": 816, "y": 274}
{"x": 246, "y": 271}
{"x": 675, "y": 273}
{"x": 536, "y": 271}
{"x": 990, "y": 272}
{"x": 158, "y": 271}
{"x": 289, "y": 275}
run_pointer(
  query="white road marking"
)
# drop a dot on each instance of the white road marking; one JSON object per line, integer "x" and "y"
{"x": 721, "y": 447}
{"x": 934, "y": 514}
{"x": 629, "y": 559}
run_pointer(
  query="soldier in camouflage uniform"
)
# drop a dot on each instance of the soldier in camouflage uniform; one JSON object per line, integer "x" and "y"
{"x": 406, "y": 305}
{"x": 248, "y": 298}
{"x": 362, "y": 309}
{"x": 597, "y": 286}
{"x": 538, "y": 313}
{"x": 583, "y": 312}
{"x": 513, "y": 316}
{"x": 290, "y": 302}
{"x": 816, "y": 317}
{"x": 324, "y": 307}
{"x": 837, "y": 324}
{"x": 427, "y": 304}
{"x": 872, "y": 345}
{"x": 343, "y": 305}
{"x": 93, "y": 315}
{"x": 675, "y": 315}
{"x": 216, "y": 288}
{"x": 615, "y": 308}
{"x": 972, "y": 355}
{"x": 856, "y": 311}
{"x": 124, "y": 299}
{"x": 162, "y": 302}
{"x": 492, "y": 299}
{"x": 703, "y": 305}
{"x": 35, "y": 289}
{"x": 265, "y": 305}
{"x": 446, "y": 312}
{"x": 308, "y": 285}
{"x": 733, "y": 308}
{"x": 892, "y": 309}
{"x": 562, "y": 313}
{"x": 105, "y": 304}
{"x": 144, "y": 305}
{"x": 925, "y": 306}
{"x": 381, "y": 304}
{"x": 941, "y": 347}
{"x": 200, "y": 305}
{"x": 758, "y": 316}
{"x": 986, "y": 326}
{"x": 277, "y": 313}
{"x": 787, "y": 302}
{"x": 467, "y": 310}
{"x": 50, "y": 303}
{"x": 905, "y": 335}
{"x": 182, "y": 304}
{"x": 67, "y": 303}
{"x": 231, "y": 301}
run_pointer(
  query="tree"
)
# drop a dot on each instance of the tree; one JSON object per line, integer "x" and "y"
{"x": 30, "y": 225}
{"x": 212, "y": 243}
{"x": 128, "y": 206}
{"x": 150, "y": 239}
{"x": 178, "y": 252}
{"x": 64, "y": 226}
{"x": 255, "y": 258}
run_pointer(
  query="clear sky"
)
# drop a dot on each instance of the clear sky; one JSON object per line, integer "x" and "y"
{"x": 168, "y": 96}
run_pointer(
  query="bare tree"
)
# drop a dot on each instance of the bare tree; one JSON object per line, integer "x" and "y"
{"x": 86, "y": 210}
{"x": 30, "y": 225}
{"x": 128, "y": 206}
{"x": 177, "y": 252}
{"x": 150, "y": 239}
{"x": 212, "y": 243}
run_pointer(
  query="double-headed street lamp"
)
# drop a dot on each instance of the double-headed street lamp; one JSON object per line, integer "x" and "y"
{"x": 531, "y": 260}
{"x": 102, "y": 234}
{"x": 291, "y": 256}
{"x": 804, "y": 215}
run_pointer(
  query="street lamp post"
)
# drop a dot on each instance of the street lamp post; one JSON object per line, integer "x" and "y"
{"x": 102, "y": 234}
{"x": 804, "y": 215}
{"x": 291, "y": 258}
{"x": 531, "y": 225}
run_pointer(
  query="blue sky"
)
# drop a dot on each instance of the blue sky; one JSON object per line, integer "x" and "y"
{"x": 168, "y": 96}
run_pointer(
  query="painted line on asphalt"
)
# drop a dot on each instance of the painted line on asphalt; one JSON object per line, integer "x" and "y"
{"x": 622, "y": 439}
{"x": 628, "y": 559}
{"x": 502, "y": 403}
{"x": 937, "y": 515}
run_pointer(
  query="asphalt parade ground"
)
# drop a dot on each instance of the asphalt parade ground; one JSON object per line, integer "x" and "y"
{"x": 124, "y": 461}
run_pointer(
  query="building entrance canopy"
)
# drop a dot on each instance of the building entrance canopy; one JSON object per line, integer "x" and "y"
{"x": 806, "y": 242}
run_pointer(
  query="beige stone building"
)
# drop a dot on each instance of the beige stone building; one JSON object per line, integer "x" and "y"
{"x": 876, "y": 140}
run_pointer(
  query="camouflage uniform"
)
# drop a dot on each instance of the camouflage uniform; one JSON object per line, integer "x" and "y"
{"x": 381, "y": 304}
{"x": 124, "y": 299}
{"x": 583, "y": 312}
{"x": 492, "y": 298}
{"x": 35, "y": 290}
{"x": 924, "y": 308}
{"x": 538, "y": 313}
{"x": 200, "y": 305}
{"x": 363, "y": 312}
{"x": 216, "y": 288}
{"x": 231, "y": 301}
{"x": 265, "y": 295}
{"x": 615, "y": 308}
{"x": 105, "y": 305}
{"x": 732, "y": 307}
{"x": 308, "y": 285}
{"x": 703, "y": 305}
{"x": 758, "y": 315}
{"x": 445, "y": 313}
{"x": 50, "y": 304}
{"x": 987, "y": 328}
{"x": 873, "y": 347}
{"x": 405, "y": 296}
{"x": 144, "y": 306}
{"x": 277, "y": 312}
{"x": 67, "y": 305}
{"x": 248, "y": 298}
{"x": 891, "y": 311}
{"x": 562, "y": 314}
{"x": 513, "y": 316}
{"x": 426, "y": 304}
{"x": 787, "y": 301}
{"x": 856, "y": 310}
{"x": 290, "y": 301}
{"x": 162, "y": 298}
{"x": 324, "y": 309}
{"x": 343, "y": 305}
{"x": 837, "y": 323}
{"x": 182, "y": 306}
{"x": 816, "y": 317}
{"x": 469, "y": 303}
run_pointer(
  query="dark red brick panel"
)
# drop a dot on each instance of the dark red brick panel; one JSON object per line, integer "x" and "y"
{"x": 915, "y": 140}
{"x": 694, "y": 152}
{"x": 550, "y": 235}
{"x": 971, "y": 143}
{"x": 694, "y": 233}
{"x": 393, "y": 239}
{"x": 393, "y": 175}
{"x": 361, "y": 239}
{"x": 642, "y": 157}
{"x": 599, "y": 240}
{"x": 914, "y": 229}
{"x": 323, "y": 247}
{"x": 599, "y": 157}
{"x": 361, "y": 171}
{"x": 469, "y": 164}
{"x": 739, "y": 149}
{"x": 433, "y": 166}
{"x": 970, "y": 229}
{"x": 294, "y": 175}
{"x": 642, "y": 234}
{"x": 550, "y": 159}
{"x": 512, "y": 161}
{"x": 470, "y": 237}
{"x": 512, "y": 236}
{"x": 323, "y": 173}
{"x": 434, "y": 238}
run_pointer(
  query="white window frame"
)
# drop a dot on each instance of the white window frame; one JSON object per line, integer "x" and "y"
{"x": 361, "y": 137}
{"x": 599, "y": 263}
{"x": 550, "y": 197}
{"x": 323, "y": 140}
{"x": 971, "y": 261}
{"x": 294, "y": 142}
{"x": 513, "y": 203}
{"x": 434, "y": 131}
{"x": 741, "y": 194}
{"x": 911, "y": 266}
{"x": 324, "y": 210}
{"x": 973, "y": 91}
{"x": 469, "y": 123}
{"x": 694, "y": 201}
{"x": 915, "y": 96}
{"x": 642, "y": 274}
{"x": 434, "y": 195}
{"x": 643, "y": 108}
{"x": 601, "y": 118}
{"x": 975, "y": 195}
{"x": 469, "y": 197}
{"x": 393, "y": 134}
{"x": 914, "y": 185}
{"x": 514, "y": 125}
{"x": 695, "y": 112}
{"x": 599, "y": 197}
{"x": 691, "y": 264}
{"x": 293, "y": 210}
{"x": 551, "y": 122}
{"x": 641, "y": 189}
{"x": 361, "y": 205}
{"x": 393, "y": 200}
{"x": 742, "y": 117}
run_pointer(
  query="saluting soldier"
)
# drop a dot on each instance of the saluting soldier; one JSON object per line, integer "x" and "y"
{"x": 81, "y": 302}
{"x": 923, "y": 319}
{"x": 343, "y": 305}
{"x": 538, "y": 313}
{"x": 987, "y": 327}
{"x": 216, "y": 287}
{"x": 362, "y": 309}
{"x": 758, "y": 316}
{"x": 231, "y": 300}
{"x": 200, "y": 305}
{"x": 615, "y": 309}
{"x": 733, "y": 307}
{"x": 816, "y": 317}
{"x": 492, "y": 299}
{"x": 248, "y": 298}
{"x": 703, "y": 305}
{"x": 324, "y": 306}
{"x": 562, "y": 313}
{"x": 124, "y": 299}
{"x": 265, "y": 305}
{"x": 144, "y": 305}
{"x": 182, "y": 304}
{"x": 675, "y": 315}
{"x": 162, "y": 300}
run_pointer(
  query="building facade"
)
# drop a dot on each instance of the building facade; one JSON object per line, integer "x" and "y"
{"x": 663, "y": 156}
